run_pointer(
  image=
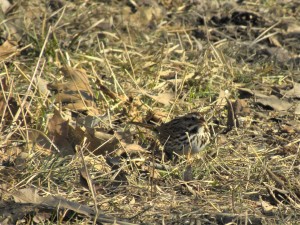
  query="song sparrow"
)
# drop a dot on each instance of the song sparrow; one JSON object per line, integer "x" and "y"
{"x": 184, "y": 135}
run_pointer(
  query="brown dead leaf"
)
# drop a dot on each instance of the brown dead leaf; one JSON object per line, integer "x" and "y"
{"x": 78, "y": 78}
{"x": 28, "y": 201}
{"x": 232, "y": 119}
{"x": 30, "y": 195}
{"x": 241, "y": 107}
{"x": 41, "y": 140}
{"x": 287, "y": 129}
{"x": 142, "y": 17}
{"x": 4, "y": 89}
{"x": 42, "y": 86}
{"x": 89, "y": 121}
{"x": 14, "y": 213}
{"x": 105, "y": 90}
{"x": 294, "y": 92}
{"x": 297, "y": 109}
{"x": 58, "y": 132}
{"x": 267, "y": 207}
{"x": 153, "y": 172}
{"x": 27, "y": 195}
{"x": 120, "y": 142}
{"x": 167, "y": 74}
{"x": 146, "y": 15}
{"x": 188, "y": 173}
{"x": 98, "y": 145}
{"x": 130, "y": 149}
{"x": 102, "y": 143}
{"x": 5, "y": 5}
{"x": 271, "y": 101}
{"x": 84, "y": 179}
{"x": 279, "y": 195}
{"x": 8, "y": 105}
{"x": 290, "y": 25}
{"x": 7, "y": 49}
{"x": 148, "y": 64}
{"x": 163, "y": 98}
{"x": 41, "y": 217}
{"x": 98, "y": 163}
{"x": 78, "y": 134}
{"x": 76, "y": 94}
{"x": 156, "y": 115}
{"x": 274, "y": 41}
{"x": 274, "y": 102}
{"x": 103, "y": 135}
{"x": 279, "y": 53}
{"x": 222, "y": 139}
{"x": 292, "y": 126}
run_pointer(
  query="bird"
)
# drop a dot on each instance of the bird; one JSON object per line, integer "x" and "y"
{"x": 184, "y": 135}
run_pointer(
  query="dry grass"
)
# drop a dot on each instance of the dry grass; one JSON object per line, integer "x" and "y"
{"x": 159, "y": 58}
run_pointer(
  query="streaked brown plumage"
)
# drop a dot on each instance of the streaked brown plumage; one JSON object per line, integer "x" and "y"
{"x": 184, "y": 135}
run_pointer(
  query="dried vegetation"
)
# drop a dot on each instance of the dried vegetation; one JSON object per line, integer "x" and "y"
{"x": 75, "y": 74}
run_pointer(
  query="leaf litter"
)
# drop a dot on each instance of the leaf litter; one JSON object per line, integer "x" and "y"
{"x": 148, "y": 62}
